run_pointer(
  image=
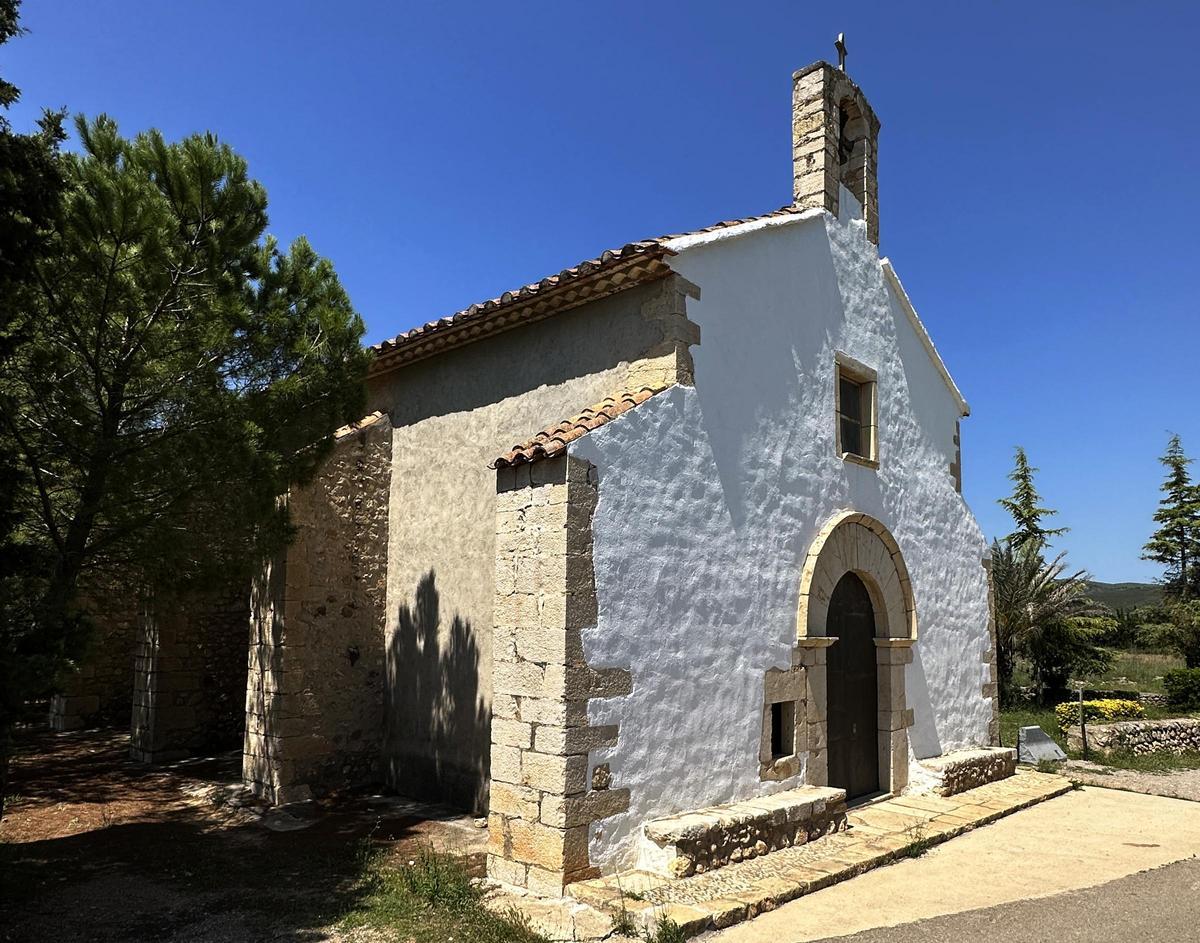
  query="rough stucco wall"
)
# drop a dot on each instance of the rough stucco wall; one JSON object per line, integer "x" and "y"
{"x": 314, "y": 693}
{"x": 730, "y": 481}
{"x": 452, "y": 415}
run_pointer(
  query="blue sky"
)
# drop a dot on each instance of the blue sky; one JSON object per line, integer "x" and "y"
{"x": 1039, "y": 192}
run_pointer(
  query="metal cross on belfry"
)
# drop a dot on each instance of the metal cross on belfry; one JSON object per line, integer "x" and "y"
{"x": 840, "y": 46}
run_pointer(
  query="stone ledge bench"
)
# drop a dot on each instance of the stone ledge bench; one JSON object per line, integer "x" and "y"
{"x": 967, "y": 769}
{"x": 695, "y": 842}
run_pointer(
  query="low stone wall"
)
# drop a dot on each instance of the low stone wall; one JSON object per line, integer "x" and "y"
{"x": 1140, "y": 736}
{"x": 967, "y": 769}
{"x": 696, "y": 842}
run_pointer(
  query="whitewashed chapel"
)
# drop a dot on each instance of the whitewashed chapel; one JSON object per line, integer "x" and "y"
{"x": 735, "y": 561}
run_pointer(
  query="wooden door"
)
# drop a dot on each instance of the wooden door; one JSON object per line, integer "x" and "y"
{"x": 853, "y": 694}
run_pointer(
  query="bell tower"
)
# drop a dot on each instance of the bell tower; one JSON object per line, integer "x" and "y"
{"x": 835, "y": 137}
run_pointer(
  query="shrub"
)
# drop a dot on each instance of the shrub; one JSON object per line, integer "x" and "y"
{"x": 1183, "y": 687}
{"x": 1103, "y": 710}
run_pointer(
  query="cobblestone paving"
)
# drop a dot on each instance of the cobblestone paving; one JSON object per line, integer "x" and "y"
{"x": 878, "y": 833}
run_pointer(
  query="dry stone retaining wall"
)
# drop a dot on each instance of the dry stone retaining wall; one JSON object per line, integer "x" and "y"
{"x": 1141, "y": 736}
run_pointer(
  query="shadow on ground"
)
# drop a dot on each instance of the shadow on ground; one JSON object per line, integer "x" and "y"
{"x": 97, "y": 848}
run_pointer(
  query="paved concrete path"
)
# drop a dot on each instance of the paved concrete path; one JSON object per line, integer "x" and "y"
{"x": 1162, "y": 906}
{"x": 1081, "y": 840}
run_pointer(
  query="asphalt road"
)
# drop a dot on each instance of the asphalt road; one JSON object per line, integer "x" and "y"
{"x": 1160, "y": 906}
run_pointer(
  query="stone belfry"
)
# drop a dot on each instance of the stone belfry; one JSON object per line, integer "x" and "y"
{"x": 835, "y": 137}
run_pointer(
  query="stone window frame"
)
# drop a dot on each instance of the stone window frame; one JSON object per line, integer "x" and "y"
{"x": 856, "y": 372}
{"x": 783, "y": 685}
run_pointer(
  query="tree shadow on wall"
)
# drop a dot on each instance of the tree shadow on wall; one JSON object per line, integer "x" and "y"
{"x": 438, "y": 738}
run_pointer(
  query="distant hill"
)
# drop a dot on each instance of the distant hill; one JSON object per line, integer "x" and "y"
{"x": 1125, "y": 595}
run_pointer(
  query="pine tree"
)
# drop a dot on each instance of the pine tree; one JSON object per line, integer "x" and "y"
{"x": 1176, "y": 543}
{"x": 1026, "y": 512}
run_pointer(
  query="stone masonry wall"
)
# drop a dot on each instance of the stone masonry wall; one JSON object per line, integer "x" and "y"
{"x": 542, "y": 802}
{"x": 189, "y": 674}
{"x": 1141, "y": 736}
{"x": 99, "y": 691}
{"x": 315, "y": 682}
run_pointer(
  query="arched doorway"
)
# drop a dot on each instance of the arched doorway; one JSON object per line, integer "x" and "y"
{"x": 852, "y": 679}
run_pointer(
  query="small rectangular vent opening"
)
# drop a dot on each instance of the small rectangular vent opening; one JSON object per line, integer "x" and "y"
{"x": 783, "y": 729}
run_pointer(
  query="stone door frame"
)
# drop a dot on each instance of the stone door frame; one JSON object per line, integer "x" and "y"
{"x": 852, "y": 542}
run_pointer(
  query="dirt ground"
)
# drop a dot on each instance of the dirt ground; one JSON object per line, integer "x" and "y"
{"x": 94, "y": 847}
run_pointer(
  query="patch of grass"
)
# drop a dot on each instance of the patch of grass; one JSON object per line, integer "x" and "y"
{"x": 432, "y": 898}
{"x": 666, "y": 931}
{"x": 623, "y": 924}
{"x": 1160, "y": 762}
{"x": 919, "y": 843}
{"x": 1047, "y": 766}
{"x": 1135, "y": 671}
{"x": 1017, "y": 716}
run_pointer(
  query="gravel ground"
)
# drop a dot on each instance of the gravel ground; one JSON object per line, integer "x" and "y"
{"x": 1181, "y": 784}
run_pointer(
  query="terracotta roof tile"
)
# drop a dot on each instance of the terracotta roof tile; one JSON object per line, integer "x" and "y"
{"x": 593, "y": 278}
{"x": 555, "y": 439}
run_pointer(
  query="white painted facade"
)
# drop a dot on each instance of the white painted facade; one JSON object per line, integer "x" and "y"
{"x": 711, "y": 496}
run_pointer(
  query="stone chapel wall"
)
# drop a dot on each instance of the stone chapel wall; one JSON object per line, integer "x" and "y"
{"x": 315, "y": 683}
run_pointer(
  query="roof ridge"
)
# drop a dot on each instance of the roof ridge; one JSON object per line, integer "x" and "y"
{"x": 553, "y": 440}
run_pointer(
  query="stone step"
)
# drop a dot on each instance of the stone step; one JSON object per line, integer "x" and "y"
{"x": 878, "y": 833}
{"x": 706, "y": 839}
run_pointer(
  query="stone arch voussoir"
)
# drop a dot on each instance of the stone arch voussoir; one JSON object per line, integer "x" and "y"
{"x": 857, "y": 543}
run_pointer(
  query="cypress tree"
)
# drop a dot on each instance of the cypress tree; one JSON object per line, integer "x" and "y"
{"x": 1176, "y": 543}
{"x": 1026, "y": 510}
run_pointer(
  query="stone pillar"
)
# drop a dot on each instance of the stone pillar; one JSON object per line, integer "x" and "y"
{"x": 835, "y": 137}
{"x": 895, "y": 716}
{"x": 166, "y": 686}
{"x": 812, "y": 653}
{"x": 543, "y": 799}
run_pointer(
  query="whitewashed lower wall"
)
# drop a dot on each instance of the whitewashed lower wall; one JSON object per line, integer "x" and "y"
{"x": 710, "y": 497}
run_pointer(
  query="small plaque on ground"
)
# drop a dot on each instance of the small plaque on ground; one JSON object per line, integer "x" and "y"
{"x": 1033, "y": 744}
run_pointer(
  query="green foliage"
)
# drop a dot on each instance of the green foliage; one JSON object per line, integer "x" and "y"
{"x": 1102, "y": 710}
{"x": 1043, "y": 615}
{"x": 1181, "y": 631}
{"x": 31, "y": 186}
{"x": 623, "y": 924}
{"x": 1176, "y": 543}
{"x": 665, "y": 931}
{"x": 171, "y": 372}
{"x": 432, "y": 898}
{"x": 1024, "y": 506}
{"x": 438, "y": 879}
{"x": 1183, "y": 688}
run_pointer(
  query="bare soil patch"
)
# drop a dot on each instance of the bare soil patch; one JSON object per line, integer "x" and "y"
{"x": 95, "y": 847}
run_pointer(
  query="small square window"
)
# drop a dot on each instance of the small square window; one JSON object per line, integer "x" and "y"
{"x": 856, "y": 421}
{"x": 783, "y": 729}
